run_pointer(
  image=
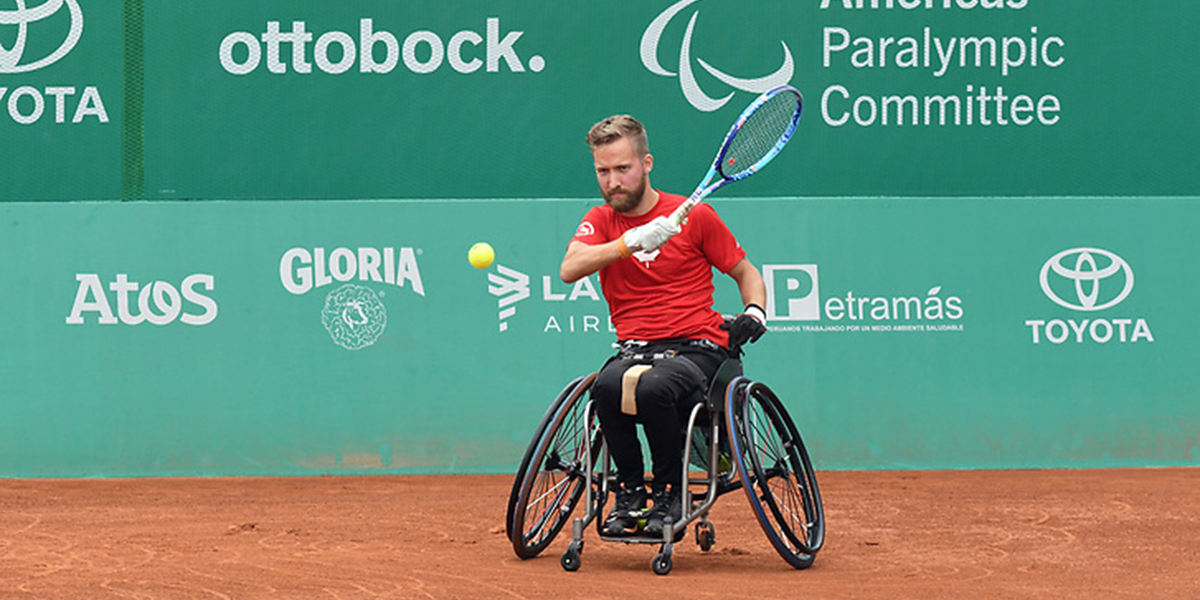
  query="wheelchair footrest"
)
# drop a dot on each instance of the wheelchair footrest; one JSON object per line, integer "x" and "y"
{"x": 640, "y": 538}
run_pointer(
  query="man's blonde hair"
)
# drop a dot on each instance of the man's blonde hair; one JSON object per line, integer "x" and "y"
{"x": 616, "y": 127}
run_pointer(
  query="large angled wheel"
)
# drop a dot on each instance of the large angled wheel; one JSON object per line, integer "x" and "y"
{"x": 777, "y": 474}
{"x": 551, "y": 478}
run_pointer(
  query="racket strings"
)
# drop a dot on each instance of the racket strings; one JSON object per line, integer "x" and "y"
{"x": 760, "y": 135}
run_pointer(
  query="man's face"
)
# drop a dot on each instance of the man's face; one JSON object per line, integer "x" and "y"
{"x": 622, "y": 174}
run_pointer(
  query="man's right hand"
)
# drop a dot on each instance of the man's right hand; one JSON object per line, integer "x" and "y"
{"x": 652, "y": 235}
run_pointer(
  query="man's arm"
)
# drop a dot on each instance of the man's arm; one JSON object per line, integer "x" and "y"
{"x": 583, "y": 259}
{"x": 751, "y": 324}
{"x": 750, "y": 283}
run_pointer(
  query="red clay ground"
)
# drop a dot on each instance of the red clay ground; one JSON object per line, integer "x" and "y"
{"x": 1104, "y": 534}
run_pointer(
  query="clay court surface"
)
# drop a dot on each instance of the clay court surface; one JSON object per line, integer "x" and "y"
{"x": 1100, "y": 534}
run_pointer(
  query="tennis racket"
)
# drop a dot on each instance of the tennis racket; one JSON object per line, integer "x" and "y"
{"x": 758, "y": 135}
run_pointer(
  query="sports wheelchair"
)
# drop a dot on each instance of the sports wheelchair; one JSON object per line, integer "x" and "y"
{"x": 740, "y": 437}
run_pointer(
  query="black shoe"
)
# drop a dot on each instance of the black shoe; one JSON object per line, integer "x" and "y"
{"x": 666, "y": 504}
{"x": 629, "y": 509}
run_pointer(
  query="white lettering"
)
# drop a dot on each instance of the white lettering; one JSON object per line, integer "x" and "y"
{"x": 168, "y": 303}
{"x": 166, "y": 298}
{"x": 367, "y": 40}
{"x": 436, "y": 52}
{"x": 60, "y": 105}
{"x": 1061, "y": 336}
{"x": 547, "y": 294}
{"x": 253, "y": 53}
{"x": 583, "y": 287}
{"x": 454, "y": 52}
{"x": 90, "y": 287}
{"x": 34, "y": 114}
{"x": 927, "y": 4}
{"x": 321, "y": 52}
{"x": 983, "y": 107}
{"x": 296, "y": 280}
{"x": 502, "y": 48}
{"x": 26, "y": 104}
{"x": 377, "y": 51}
{"x": 191, "y": 295}
{"x": 301, "y": 271}
{"x": 1142, "y": 330}
{"x": 1100, "y": 331}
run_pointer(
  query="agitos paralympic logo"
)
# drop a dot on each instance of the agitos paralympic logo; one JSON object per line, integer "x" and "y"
{"x": 652, "y": 38}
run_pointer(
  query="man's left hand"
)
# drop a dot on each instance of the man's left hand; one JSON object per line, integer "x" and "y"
{"x": 747, "y": 327}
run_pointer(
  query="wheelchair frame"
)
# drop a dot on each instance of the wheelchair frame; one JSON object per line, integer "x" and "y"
{"x": 766, "y": 458}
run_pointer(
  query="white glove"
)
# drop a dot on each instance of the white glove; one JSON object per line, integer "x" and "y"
{"x": 652, "y": 235}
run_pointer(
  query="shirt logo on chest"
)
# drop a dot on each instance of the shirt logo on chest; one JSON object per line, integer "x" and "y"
{"x": 646, "y": 257}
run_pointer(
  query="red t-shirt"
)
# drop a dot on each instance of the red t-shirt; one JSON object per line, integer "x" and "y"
{"x": 667, "y": 293}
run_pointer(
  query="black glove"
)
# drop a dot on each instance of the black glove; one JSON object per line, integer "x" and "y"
{"x": 746, "y": 327}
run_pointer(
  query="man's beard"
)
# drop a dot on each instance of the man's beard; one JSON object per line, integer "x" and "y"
{"x": 627, "y": 203}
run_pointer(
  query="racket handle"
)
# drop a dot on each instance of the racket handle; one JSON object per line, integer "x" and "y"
{"x": 681, "y": 213}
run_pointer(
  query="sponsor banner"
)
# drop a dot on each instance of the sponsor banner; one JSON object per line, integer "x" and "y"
{"x": 61, "y": 100}
{"x": 421, "y": 99}
{"x": 355, "y": 337}
{"x": 793, "y": 294}
{"x": 939, "y": 97}
{"x": 1088, "y": 281}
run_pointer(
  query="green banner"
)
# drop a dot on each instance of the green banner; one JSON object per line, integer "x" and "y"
{"x": 240, "y": 338}
{"x": 60, "y": 100}
{"x": 421, "y": 99}
{"x": 418, "y": 99}
{"x": 971, "y": 246}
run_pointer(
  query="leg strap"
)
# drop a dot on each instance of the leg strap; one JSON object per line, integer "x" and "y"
{"x": 629, "y": 383}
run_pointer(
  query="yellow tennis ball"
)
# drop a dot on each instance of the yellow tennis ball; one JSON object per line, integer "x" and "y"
{"x": 481, "y": 255}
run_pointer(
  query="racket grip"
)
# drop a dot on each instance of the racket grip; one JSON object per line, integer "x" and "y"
{"x": 681, "y": 213}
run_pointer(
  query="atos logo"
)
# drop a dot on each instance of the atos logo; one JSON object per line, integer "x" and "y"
{"x": 133, "y": 300}
{"x": 11, "y": 59}
{"x": 1087, "y": 278}
{"x": 695, "y": 96}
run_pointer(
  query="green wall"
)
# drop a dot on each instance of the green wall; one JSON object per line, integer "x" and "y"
{"x": 251, "y": 359}
{"x": 173, "y": 171}
{"x": 317, "y": 100}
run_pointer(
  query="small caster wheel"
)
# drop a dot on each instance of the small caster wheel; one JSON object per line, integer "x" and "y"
{"x": 662, "y": 563}
{"x": 572, "y": 558}
{"x": 706, "y": 537}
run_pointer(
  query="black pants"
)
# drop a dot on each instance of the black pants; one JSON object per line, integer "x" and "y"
{"x": 665, "y": 396}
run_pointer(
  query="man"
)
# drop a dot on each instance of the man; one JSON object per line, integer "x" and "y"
{"x": 657, "y": 278}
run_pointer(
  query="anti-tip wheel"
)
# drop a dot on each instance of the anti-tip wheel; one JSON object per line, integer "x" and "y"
{"x": 706, "y": 536}
{"x": 571, "y": 559}
{"x": 662, "y": 563}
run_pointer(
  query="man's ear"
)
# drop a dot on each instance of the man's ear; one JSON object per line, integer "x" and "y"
{"x": 648, "y": 162}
